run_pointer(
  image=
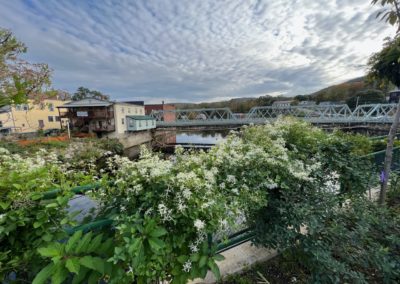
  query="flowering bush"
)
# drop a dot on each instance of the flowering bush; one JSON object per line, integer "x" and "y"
{"x": 26, "y": 222}
{"x": 165, "y": 211}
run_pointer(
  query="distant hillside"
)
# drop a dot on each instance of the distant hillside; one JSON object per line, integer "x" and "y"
{"x": 346, "y": 92}
{"x": 340, "y": 92}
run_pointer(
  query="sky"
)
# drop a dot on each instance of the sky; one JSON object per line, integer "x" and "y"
{"x": 197, "y": 50}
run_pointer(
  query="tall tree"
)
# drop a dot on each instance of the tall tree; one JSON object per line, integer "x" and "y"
{"x": 385, "y": 66}
{"x": 19, "y": 79}
{"x": 83, "y": 93}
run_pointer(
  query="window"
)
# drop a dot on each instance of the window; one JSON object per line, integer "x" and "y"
{"x": 51, "y": 107}
{"x": 122, "y": 121}
{"x": 22, "y": 107}
{"x": 41, "y": 123}
{"x": 136, "y": 111}
{"x": 23, "y": 124}
{"x": 57, "y": 118}
{"x": 1, "y": 123}
{"x": 51, "y": 119}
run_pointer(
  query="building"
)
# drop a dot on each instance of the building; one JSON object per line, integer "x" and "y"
{"x": 307, "y": 103}
{"x": 140, "y": 122}
{"x": 394, "y": 97}
{"x": 98, "y": 116}
{"x": 281, "y": 104}
{"x": 30, "y": 117}
{"x": 168, "y": 116}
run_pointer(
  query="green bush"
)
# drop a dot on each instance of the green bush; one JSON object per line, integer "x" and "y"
{"x": 359, "y": 243}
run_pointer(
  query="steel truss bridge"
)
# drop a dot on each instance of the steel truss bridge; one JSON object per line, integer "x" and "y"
{"x": 317, "y": 114}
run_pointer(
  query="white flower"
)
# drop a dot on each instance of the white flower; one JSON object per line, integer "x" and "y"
{"x": 231, "y": 179}
{"x": 187, "y": 266}
{"x": 193, "y": 248}
{"x": 199, "y": 225}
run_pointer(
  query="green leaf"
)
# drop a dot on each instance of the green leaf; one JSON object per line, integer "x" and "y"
{"x": 182, "y": 259}
{"x": 37, "y": 225}
{"x": 140, "y": 255}
{"x": 51, "y": 251}
{"x": 73, "y": 265}
{"x": 94, "y": 277}
{"x": 94, "y": 263}
{"x": 5, "y": 205}
{"x": 44, "y": 274}
{"x": 195, "y": 257}
{"x": 95, "y": 243}
{"x": 78, "y": 278}
{"x": 52, "y": 205}
{"x": 158, "y": 232}
{"x": 156, "y": 244}
{"x": 59, "y": 275}
{"x": 214, "y": 268}
{"x": 36, "y": 196}
{"x": 218, "y": 257}
{"x": 203, "y": 260}
{"x": 72, "y": 240}
{"x": 84, "y": 243}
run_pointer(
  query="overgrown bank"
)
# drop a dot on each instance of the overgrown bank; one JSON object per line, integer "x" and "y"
{"x": 276, "y": 177}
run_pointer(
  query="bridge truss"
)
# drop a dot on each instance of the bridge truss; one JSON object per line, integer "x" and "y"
{"x": 327, "y": 114}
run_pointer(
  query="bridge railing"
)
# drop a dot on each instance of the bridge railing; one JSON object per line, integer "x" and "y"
{"x": 340, "y": 113}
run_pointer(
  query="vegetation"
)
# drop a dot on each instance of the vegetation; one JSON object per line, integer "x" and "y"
{"x": 83, "y": 93}
{"x": 19, "y": 79}
{"x": 162, "y": 210}
{"x": 367, "y": 91}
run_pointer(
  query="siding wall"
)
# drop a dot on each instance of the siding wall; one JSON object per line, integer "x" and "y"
{"x": 25, "y": 118}
{"x": 121, "y": 110}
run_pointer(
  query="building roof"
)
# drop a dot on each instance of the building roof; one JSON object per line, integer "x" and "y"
{"x": 282, "y": 102}
{"x": 141, "y": 117}
{"x": 89, "y": 102}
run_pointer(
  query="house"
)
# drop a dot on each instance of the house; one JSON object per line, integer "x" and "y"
{"x": 168, "y": 116}
{"x": 31, "y": 117}
{"x": 307, "y": 103}
{"x": 282, "y": 104}
{"x": 140, "y": 122}
{"x": 393, "y": 97}
{"x": 99, "y": 116}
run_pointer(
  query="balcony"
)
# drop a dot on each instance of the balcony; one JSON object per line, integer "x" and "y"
{"x": 104, "y": 128}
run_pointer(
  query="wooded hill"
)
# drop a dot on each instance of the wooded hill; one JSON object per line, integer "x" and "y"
{"x": 346, "y": 92}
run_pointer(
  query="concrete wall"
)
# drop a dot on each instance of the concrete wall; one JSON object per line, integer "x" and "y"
{"x": 25, "y": 118}
{"x": 121, "y": 110}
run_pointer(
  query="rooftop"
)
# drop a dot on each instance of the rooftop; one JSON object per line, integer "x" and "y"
{"x": 87, "y": 103}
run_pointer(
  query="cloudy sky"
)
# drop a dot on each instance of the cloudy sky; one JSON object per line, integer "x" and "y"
{"x": 197, "y": 50}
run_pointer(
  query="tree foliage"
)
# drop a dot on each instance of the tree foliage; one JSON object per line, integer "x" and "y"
{"x": 384, "y": 66}
{"x": 391, "y": 14}
{"x": 368, "y": 97}
{"x": 83, "y": 93}
{"x": 19, "y": 79}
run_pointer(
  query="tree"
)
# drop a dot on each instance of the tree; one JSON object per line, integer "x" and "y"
{"x": 390, "y": 15}
{"x": 83, "y": 93}
{"x": 385, "y": 66}
{"x": 19, "y": 79}
{"x": 366, "y": 97}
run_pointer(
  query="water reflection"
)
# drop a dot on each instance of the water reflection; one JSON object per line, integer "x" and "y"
{"x": 199, "y": 138}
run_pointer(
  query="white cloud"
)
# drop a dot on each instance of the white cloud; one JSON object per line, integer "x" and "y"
{"x": 197, "y": 50}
